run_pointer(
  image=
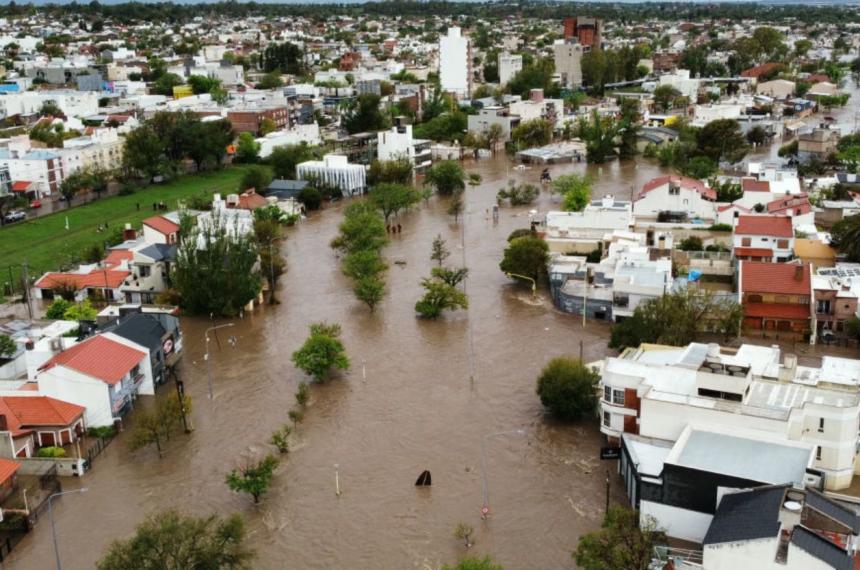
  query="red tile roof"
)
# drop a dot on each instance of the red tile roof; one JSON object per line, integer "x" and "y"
{"x": 724, "y": 207}
{"x": 683, "y": 181}
{"x": 99, "y": 357}
{"x": 753, "y": 185}
{"x": 775, "y": 226}
{"x": 97, "y": 279}
{"x": 161, "y": 225}
{"x": 778, "y": 278}
{"x": 21, "y": 185}
{"x": 8, "y": 468}
{"x": 753, "y": 252}
{"x": 42, "y": 410}
{"x": 250, "y": 200}
{"x": 794, "y": 203}
{"x": 759, "y": 70}
{"x": 117, "y": 256}
{"x": 776, "y": 310}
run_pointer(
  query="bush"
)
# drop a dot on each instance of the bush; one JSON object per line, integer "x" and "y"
{"x": 311, "y": 198}
{"x": 721, "y": 228}
{"x": 127, "y": 190}
{"x": 102, "y": 432}
{"x": 692, "y": 243}
{"x": 51, "y": 452}
{"x": 522, "y": 232}
{"x": 57, "y": 309}
{"x": 567, "y": 388}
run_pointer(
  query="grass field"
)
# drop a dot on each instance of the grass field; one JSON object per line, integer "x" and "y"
{"x": 46, "y": 244}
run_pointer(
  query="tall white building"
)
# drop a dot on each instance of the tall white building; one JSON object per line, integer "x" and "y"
{"x": 568, "y": 63}
{"x": 509, "y": 66}
{"x": 455, "y": 63}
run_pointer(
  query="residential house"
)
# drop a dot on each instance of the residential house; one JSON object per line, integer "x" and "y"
{"x": 835, "y": 302}
{"x": 583, "y": 232}
{"x": 660, "y": 391}
{"x": 679, "y": 483}
{"x": 160, "y": 230}
{"x": 777, "y": 298}
{"x": 102, "y": 280}
{"x": 821, "y": 142}
{"x": 780, "y": 89}
{"x": 8, "y": 478}
{"x": 675, "y": 198}
{"x": 34, "y": 421}
{"x": 815, "y": 252}
{"x": 398, "y": 143}
{"x": 796, "y": 207}
{"x": 763, "y": 238}
{"x": 104, "y": 374}
{"x": 159, "y": 332}
{"x": 780, "y": 527}
{"x": 41, "y": 169}
{"x": 494, "y": 115}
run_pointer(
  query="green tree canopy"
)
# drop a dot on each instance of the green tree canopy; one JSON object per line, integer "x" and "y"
{"x": 247, "y": 148}
{"x": 170, "y": 541}
{"x": 321, "y": 352}
{"x": 253, "y": 477}
{"x": 722, "y": 140}
{"x": 447, "y": 177}
{"x": 845, "y": 236}
{"x": 575, "y": 191}
{"x": 621, "y": 544}
{"x": 391, "y": 199}
{"x": 285, "y": 158}
{"x": 527, "y": 256}
{"x": 567, "y": 388}
{"x": 365, "y": 115}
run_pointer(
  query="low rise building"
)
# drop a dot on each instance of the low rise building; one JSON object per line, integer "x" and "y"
{"x": 777, "y": 298}
{"x": 675, "y": 199}
{"x": 763, "y": 238}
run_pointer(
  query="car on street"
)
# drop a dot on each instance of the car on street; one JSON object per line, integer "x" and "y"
{"x": 14, "y": 216}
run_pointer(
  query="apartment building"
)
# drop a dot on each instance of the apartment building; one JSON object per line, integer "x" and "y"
{"x": 455, "y": 63}
{"x": 658, "y": 392}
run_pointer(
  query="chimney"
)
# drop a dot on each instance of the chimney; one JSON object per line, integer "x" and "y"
{"x": 129, "y": 233}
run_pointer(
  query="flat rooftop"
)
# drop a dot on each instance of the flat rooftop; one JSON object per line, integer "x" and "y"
{"x": 753, "y": 459}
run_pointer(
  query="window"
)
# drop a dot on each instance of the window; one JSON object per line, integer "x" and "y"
{"x": 818, "y": 453}
{"x": 607, "y": 393}
{"x": 618, "y": 397}
{"x": 145, "y": 270}
{"x": 607, "y": 419}
{"x": 674, "y": 190}
{"x": 821, "y": 425}
{"x": 823, "y": 307}
{"x": 746, "y": 242}
{"x": 782, "y": 244}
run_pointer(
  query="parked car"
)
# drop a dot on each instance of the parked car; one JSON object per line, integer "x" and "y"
{"x": 36, "y": 203}
{"x": 14, "y": 216}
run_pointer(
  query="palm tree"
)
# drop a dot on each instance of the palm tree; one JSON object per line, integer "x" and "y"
{"x": 846, "y": 237}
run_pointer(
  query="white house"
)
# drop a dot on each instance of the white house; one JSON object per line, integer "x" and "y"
{"x": 763, "y": 237}
{"x": 676, "y": 197}
{"x": 295, "y": 134}
{"x": 104, "y": 374}
{"x": 657, "y": 392}
{"x": 397, "y": 143}
{"x": 583, "y": 232}
{"x": 455, "y": 63}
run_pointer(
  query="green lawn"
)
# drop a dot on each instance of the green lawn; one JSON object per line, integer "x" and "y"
{"x": 46, "y": 244}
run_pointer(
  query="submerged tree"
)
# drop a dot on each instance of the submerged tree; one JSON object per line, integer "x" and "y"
{"x": 170, "y": 540}
{"x": 621, "y": 544}
{"x": 225, "y": 260}
{"x": 321, "y": 352}
{"x": 253, "y": 477}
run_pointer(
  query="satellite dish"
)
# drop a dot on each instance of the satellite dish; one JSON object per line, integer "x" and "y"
{"x": 424, "y": 480}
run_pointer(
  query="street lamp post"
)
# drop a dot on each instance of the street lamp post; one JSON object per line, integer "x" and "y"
{"x": 53, "y": 527}
{"x": 485, "y": 507}
{"x": 534, "y": 284}
{"x": 206, "y": 357}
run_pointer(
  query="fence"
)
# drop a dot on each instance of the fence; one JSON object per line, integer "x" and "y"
{"x": 97, "y": 448}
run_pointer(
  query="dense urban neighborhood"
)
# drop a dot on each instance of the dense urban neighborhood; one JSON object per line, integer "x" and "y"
{"x": 461, "y": 286}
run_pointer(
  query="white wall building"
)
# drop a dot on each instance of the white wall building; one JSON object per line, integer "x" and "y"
{"x": 509, "y": 66}
{"x": 71, "y": 103}
{"x": 455, "y": 63}
{"x": 336, "y": 170}
{"x": 658, "y": 391}
{"x": 677, "y": 195}
{"x": 581, "y": 232}
{"x": 295, "y": 134}
{"x": 568, "y": 63}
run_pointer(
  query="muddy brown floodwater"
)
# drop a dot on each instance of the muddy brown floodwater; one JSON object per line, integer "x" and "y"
{"x": 413, "y": 408}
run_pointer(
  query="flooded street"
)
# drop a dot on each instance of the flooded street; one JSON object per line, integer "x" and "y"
{"x": 415, "y": 408}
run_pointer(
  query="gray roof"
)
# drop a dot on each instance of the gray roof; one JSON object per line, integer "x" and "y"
{"x": 821, "y": 548}
{"x": 145, "y": 330}
{"x": 833, "y": 510}
{"x": 747, "y": 515}
{"x": 160, "y": 252}
{"x": 761, "y": 461}
{"x": 286, "y": 188}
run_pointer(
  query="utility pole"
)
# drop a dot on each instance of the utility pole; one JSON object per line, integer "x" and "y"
{"x": 26, "y": 277}
{"x": 606, "y": 512}
{"x": 585, "y": 296}
{"x": 180, "y": 391}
